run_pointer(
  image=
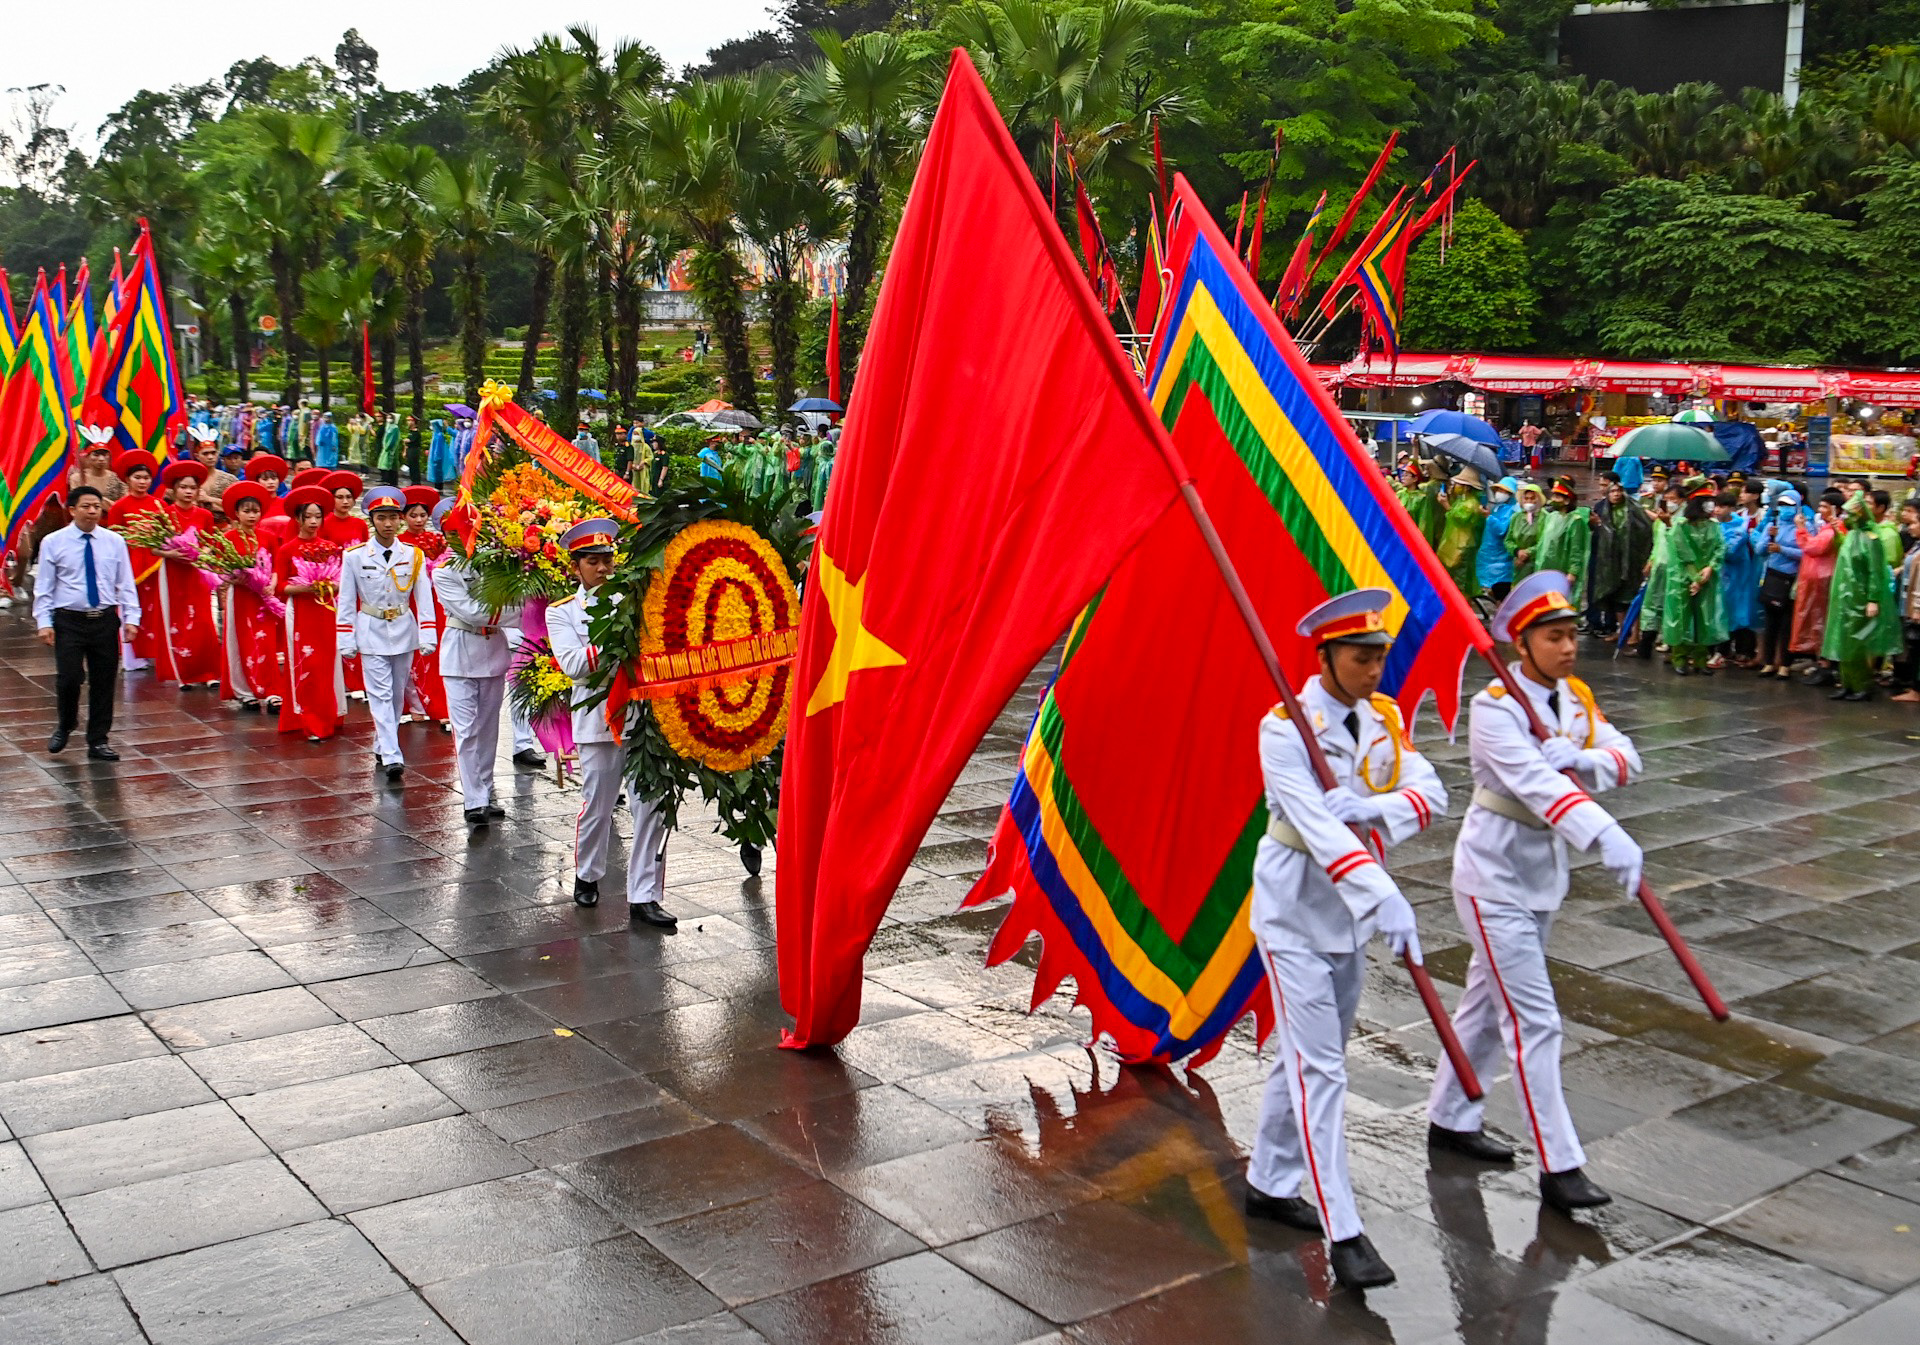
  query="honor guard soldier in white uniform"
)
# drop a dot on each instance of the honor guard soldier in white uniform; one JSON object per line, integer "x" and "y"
{"x": 474, "y": 657}
{"x": 1319, "y": 894}
{"x": 1510, "y": 876}
{"x": 590, "y": 545}
{"x": 386, "y": 616}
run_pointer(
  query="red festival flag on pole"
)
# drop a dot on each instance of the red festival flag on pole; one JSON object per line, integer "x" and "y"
{"x": 833, "y": 353}
{"x": 1361, "y": 253}
{"x": 36, "y": 419}
{"x": 368, "y": 392}
{"x": 1293, "y": 283}
{"x": 1353, "y": 208}
{"x": 948, "y": 561}
{"x": 9, "y": 332}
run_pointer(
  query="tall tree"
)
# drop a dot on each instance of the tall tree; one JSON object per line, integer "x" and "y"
{"x": 402, "y": 234}
{"x": 336, "y": 299}
{"x": 229, "y": 260}
{"x": 858, "y": 115}
{"x": 792, "y": 213}
{"x": 706, "y": 150}
{"x": 471, "y": 196}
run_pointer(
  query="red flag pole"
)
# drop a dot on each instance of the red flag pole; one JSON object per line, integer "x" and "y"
{"x": 1648, "y": 897}
{"x": 833, "y": 353}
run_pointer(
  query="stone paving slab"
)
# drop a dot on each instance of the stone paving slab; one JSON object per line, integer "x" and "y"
{"x": 288, "y": 1058}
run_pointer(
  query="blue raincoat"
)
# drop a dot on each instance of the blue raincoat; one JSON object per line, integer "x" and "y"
{"x": 1495, "y": 565}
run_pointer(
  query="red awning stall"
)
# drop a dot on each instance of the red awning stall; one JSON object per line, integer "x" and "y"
{"x": 1522, "y": 374}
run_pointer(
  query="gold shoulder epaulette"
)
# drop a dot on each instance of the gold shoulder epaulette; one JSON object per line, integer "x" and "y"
{"x": 562, "y": 602}
{"x": 1280, "y": 711}
{"x": 1497, "y": 690}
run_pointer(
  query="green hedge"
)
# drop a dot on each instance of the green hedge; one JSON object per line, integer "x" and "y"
{"x": 656, "y": 403}
{"x": 654, "y": 353}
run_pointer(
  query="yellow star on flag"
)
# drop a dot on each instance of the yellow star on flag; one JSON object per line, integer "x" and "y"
{"x": 854, "y": 646}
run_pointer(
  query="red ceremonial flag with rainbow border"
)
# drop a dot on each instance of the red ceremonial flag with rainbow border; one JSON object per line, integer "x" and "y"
{"x": 36, "y": 419}
{"x": 1129, "y": 839}
{"x": 9, "y": 330}
{"x": 135, "y": 385}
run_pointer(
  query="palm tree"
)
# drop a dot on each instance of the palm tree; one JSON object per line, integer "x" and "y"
{"x": 148, "y": 185}
{"x": 471, "y": 196}
{"x": 857, "y": 115}
{"x": 299, "y": 205}
{"x": 792, "y": 213}
{"x": 403, "y": 233}
{"x": 335, "y": 300}
{"x": 566, "y": 227}
{"x": 537, "y": 104}
{"x": 229, "y": 265}
{"x": 705, "y": 151}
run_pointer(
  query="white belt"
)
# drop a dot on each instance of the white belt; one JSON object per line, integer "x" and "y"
{"x": 385, "y": 613}
{"x": 455, "y": 623}
{"x": 1511, "y": 809}
{"x": 1287, "y": 834}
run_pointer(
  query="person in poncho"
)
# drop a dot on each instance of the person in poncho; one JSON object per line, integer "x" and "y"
{"x": 1737, "y": 515}
{"x": 1523, "y": 532}
{"x": 1663, "y": 513}
{"x": 1565, "y": 535}
{"x": 1863, "y": 623}
{"x": 1493, "y": 561}
{"x": 389, "y": 460}
{"x": 1424, "y": 498}
{"x": 1694, "y": 616}
{"x": 1819, "y": 548}
{"x": 1622, "y": 546}
{"x": 1463, "y": 523}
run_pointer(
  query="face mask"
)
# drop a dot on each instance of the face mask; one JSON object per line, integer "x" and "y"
{"x": 1533, "y": 506}
{"x": 1501, "y": 497}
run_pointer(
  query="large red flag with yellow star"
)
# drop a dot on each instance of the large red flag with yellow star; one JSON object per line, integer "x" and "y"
{"x": 999, "y": 459}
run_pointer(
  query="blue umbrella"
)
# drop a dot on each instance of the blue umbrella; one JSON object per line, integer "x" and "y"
{"x": 1455, "y": 422}
{"x": 594, "y": 393}
{"x": 816, "y": 404}
{"x": 550, "y": 394}
{"x": 1630, "y": 619}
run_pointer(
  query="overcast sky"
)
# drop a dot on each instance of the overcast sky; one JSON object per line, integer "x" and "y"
{"x": 105, "y": 51}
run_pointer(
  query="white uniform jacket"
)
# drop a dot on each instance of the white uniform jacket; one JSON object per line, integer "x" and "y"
{"x": 1324, "y": 899}
{"x": 1499, "y": 858}
{"x": 385, "y": 606}
{"x": 476, "y": 642}
{"x": 567, "y": 622}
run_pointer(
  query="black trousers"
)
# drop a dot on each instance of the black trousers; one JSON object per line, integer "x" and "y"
{"x": 86, "y": 649}
{"x": 1776, "y": 607}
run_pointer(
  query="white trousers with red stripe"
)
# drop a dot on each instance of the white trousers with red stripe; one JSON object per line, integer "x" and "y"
{"x": 600, "y": 785}
{"x": 1509, "y": 1006}
{"x": 1315, "y": 999}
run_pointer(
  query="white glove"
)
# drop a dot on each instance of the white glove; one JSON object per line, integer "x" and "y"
{"x": 1350, "y": 807}
{"x": 1560, "y": 753}
{"x": 1393, "y": 920}
{"x": 1622, "y": 857}
{"x": 428, "y": 645}
{"x": 348, "y": 649}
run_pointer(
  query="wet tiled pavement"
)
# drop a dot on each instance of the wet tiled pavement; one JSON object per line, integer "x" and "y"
{"x": 286, "y": 1056}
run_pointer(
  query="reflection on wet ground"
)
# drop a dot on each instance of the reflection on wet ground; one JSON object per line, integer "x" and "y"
{"x": 286, "y": 1056}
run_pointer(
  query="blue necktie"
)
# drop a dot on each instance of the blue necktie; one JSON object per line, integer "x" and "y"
{"x": 93, "y": 577}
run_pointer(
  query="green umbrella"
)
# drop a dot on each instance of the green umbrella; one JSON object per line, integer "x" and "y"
{"x": 1669, "y": 442}
{"x": 1694, "y": 416}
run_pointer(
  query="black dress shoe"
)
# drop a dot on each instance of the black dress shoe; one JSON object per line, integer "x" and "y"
{"x": 1473, "y": 1143}
{"x": 396, "y": 769}
{"x": 750, "y": 860}
{"x": 1357, "y": 1265}
{"x": 585, "y": 892}
{"x": 1840, "y": 695}
{"x": 101, "y": 752}
{"x": 1570, "y": 1190}
{"x": 529, "y": 758}
{"x": 1866, "y": 695}
{"x": 652, "y": 913}
{"x": 57, "y": 740}
{"x": 495, "y": 810}
{"x": 476, "y": 817}
{"x": 1289, "y": 1210}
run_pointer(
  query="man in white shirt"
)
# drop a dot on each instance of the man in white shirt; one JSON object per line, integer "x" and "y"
{"x": 385, "y": 612}
{"x": 1320, "y": 894}
{"x": 1510, "y": 876}
{"x": 84, "y": 603}
{"x": 602, "y": 774}
{"x": 474, "y": 658}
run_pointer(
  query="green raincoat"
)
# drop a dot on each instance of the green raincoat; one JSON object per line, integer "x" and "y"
{"x": 390, "y": 446}
{"x": 1622, "y": 545}
{"x": 1687, "y": 618}
{"x": 1459, "y": 548}
{"x": 1523, "y": 534}
{"x": 1861, "y": 575}
{"x": 1654, "y": 608}
{"x": 1564, "y": 544}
